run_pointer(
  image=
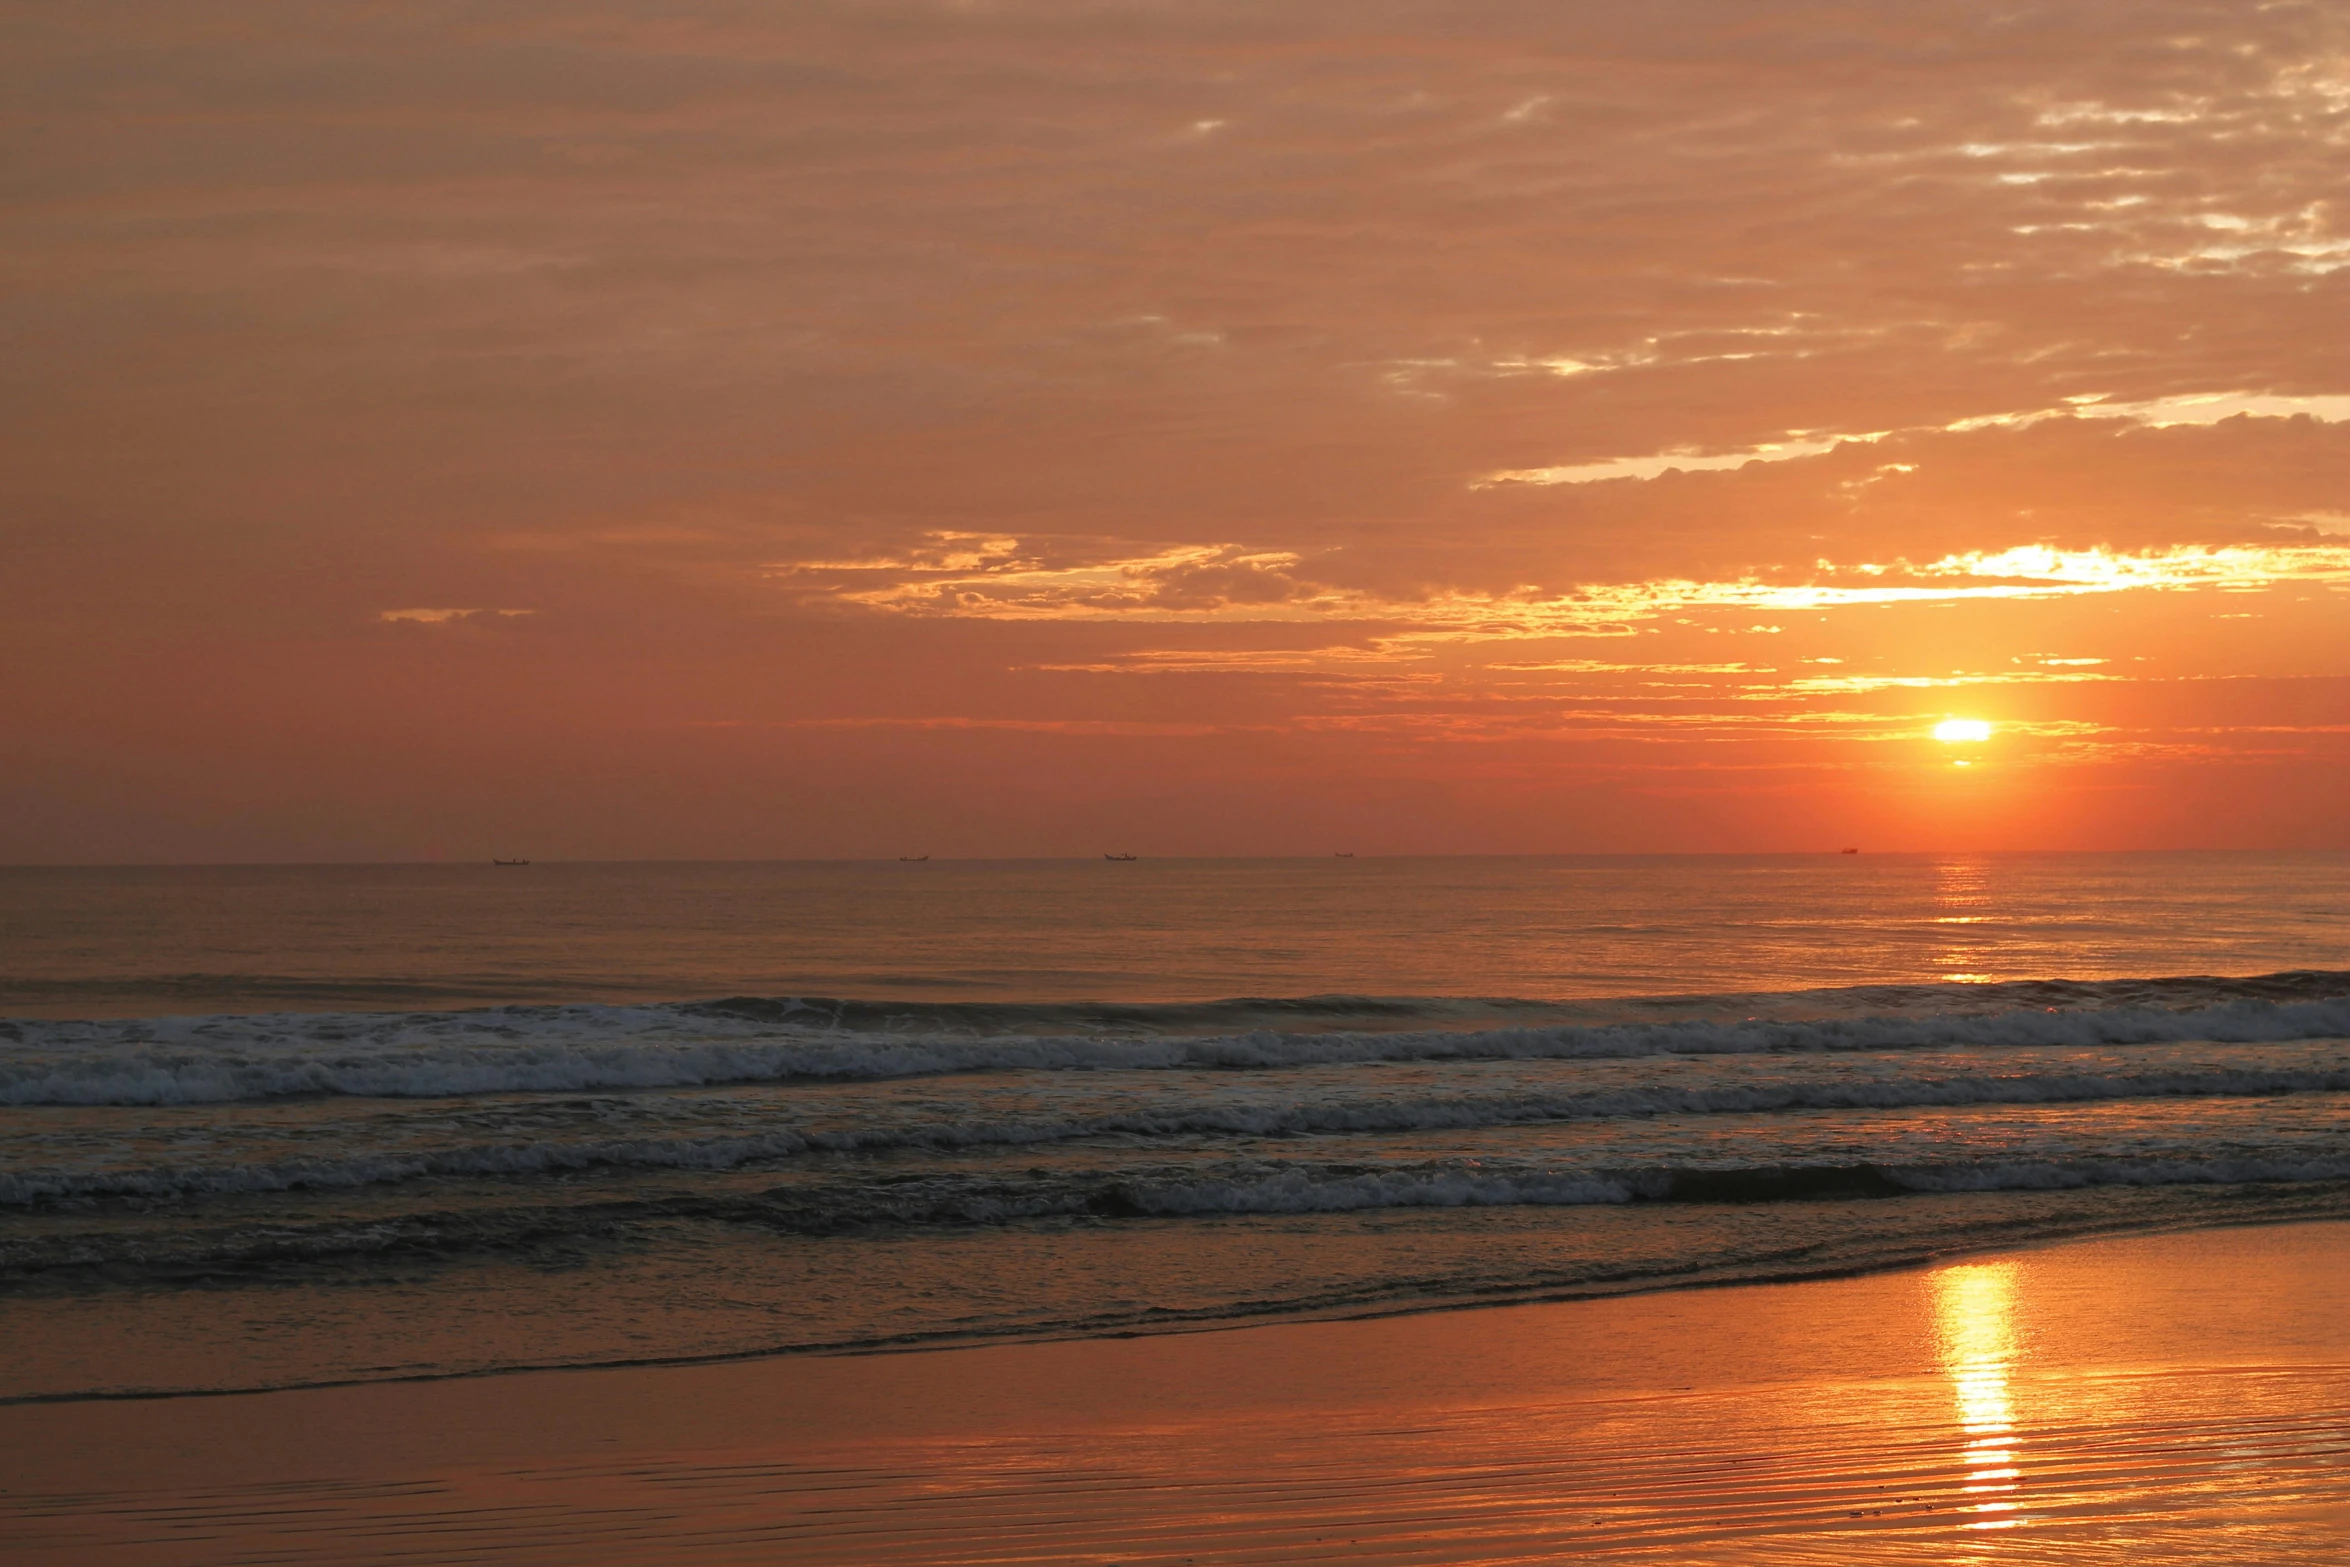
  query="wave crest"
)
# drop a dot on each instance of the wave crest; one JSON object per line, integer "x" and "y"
{"x": 571, "y": 1049}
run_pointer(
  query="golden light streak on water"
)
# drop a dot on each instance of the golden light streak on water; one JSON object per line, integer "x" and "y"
{"x": 1964, "y": 899}
{"x": 1974, "y": 1312}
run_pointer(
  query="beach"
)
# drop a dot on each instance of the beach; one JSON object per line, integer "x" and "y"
{"x": 1776, "y": 1209}
{"x": 2178, "y": 1397}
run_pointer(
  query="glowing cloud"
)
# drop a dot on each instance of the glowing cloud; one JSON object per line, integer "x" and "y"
{"x": 1797, "y": 444}
{"x": 443, "y": 617}
{"x": 2160, "y": 413}
{"x": 1237, "y": 583}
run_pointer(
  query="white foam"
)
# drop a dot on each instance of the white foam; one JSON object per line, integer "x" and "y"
{"x": 569, "y": 1049}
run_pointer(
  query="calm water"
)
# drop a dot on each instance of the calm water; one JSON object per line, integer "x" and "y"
{"x": 352, "y": 1122}
{"x": 125, "y": 942}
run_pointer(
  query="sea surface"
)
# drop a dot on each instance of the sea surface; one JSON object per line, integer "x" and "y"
{"x": 286, "y": 1125}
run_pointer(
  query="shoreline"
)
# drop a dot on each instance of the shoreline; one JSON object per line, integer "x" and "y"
{"x": 2326, "y": 1202}
{"x": 2110, "y": 1379}
{"x": 1206, "y": 1323}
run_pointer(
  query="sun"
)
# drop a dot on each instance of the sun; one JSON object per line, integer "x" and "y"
{"x": 1962, "y": 731}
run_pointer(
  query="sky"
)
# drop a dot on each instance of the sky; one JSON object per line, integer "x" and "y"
{"x": 877, "y": 427}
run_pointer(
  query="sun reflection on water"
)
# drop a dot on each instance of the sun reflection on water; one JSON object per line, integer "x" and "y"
{"x": 1962, "y": 898}
{"x": 1974, "y": 1310}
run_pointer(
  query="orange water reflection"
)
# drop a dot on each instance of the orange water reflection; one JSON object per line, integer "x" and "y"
{"x": 2160, "y": 1401}
{"x": 1974, "y": 1315}
{"x": 1962, "y": 898}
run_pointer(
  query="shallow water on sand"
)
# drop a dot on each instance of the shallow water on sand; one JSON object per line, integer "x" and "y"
{"x": 2154, "y": 1400}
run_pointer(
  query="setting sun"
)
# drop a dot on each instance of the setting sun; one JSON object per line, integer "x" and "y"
{"x": 1962, "y": 731}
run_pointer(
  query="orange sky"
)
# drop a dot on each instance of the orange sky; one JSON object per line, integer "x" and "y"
{"x": 715, "y": 429}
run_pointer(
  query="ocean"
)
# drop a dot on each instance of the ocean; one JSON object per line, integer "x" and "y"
{"x": 273, "y": 1126}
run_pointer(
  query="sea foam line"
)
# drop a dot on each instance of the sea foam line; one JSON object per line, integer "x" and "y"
{"x": 83, "y": 1064}
{"x": 1451, "y": 1112}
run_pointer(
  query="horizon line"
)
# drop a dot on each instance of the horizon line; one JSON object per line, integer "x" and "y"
{"x": 533, "y": 862}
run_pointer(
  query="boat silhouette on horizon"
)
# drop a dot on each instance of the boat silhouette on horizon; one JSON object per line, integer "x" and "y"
{"x": 1120, "y": 856}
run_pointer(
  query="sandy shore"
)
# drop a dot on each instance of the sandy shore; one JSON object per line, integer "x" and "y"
{"x": 2151, "y": 1399}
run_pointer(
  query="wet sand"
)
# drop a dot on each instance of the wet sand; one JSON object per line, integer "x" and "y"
{"x": 2152, "y": 1399}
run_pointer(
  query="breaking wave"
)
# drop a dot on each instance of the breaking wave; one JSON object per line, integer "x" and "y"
{"x": 1442, "y": 1112}
{"x": 571, "y": 1049}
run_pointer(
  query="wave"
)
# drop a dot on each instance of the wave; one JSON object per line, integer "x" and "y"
{"x": 1447, "y": 1112}
{"x": 403, "y": 1001}
{"x": 571, "y": 1049}
{"x": 1259, "y": 1187}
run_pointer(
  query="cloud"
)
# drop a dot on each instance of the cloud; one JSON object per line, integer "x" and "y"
{"x": 1229, "y": 583}
{"x": 1005, "y": 579}
{"x": 1796, "y": 445}
{"x": 443, "y": 617}
{"x": 2160, "y": 413}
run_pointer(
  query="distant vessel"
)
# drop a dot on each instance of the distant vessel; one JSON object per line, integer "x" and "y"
{"x": 912, "y": 859}
{"x": 1343, "y": 854}
{"x": 1118, "y": 856}
{"x": 1848, "y": 851}
{"x": 509, "y": 862}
